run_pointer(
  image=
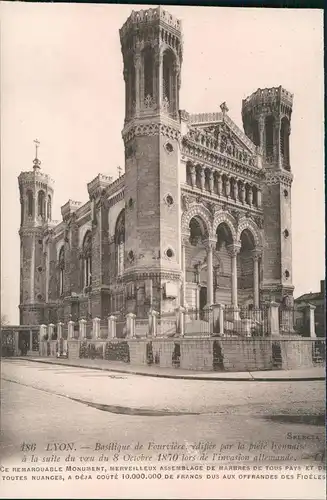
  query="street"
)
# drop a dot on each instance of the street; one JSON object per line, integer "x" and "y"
{"x": 50, "y": 404}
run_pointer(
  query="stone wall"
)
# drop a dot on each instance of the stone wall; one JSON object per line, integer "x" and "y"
{"x": 207, "y": 354}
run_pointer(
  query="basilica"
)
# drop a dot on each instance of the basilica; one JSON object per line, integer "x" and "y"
{"x": 201, "y": 216}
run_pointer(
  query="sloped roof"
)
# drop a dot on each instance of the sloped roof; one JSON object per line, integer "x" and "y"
{"x": 310, "y": 296}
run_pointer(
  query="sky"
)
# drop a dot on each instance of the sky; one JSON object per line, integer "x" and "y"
{"x": 62, "y": 83}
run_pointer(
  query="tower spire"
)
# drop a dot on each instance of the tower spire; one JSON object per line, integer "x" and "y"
{"x": 36, "y": 161}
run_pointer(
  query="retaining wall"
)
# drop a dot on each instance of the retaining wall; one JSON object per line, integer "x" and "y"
{"x": 202, "y": 354}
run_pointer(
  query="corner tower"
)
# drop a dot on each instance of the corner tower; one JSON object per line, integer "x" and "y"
{"x": 36, "y": 201}
{"x": 267, "y": 122}
{"x": 151, "y": 43}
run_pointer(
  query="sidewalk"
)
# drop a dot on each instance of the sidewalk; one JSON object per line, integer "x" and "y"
{"x": 317, "y": 373}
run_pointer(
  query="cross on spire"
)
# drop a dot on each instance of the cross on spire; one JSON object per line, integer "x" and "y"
{"x": 36, "y": 161}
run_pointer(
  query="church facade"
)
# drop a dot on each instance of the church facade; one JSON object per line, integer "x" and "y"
{"x": 201, "y": 216}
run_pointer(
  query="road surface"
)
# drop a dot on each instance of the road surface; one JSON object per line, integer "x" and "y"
{"x": 234, "y": 422}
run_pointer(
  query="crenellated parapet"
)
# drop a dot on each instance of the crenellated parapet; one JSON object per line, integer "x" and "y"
{"x": 69, "y": 208}
{"x": 268, "y": 100}
{"x": 98, "y": 186}
{"x": 144, "y": 25}
{"x": 266, "y": 116}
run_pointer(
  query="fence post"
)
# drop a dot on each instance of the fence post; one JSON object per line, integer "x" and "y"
{"x": 112, "y": 326}
{"x": 82, "y": 328}
{"x": 43, "y": 331}
{"x": 273, "y": 319}
{"x": 182, "y": 321}
{"x": 179, "y": 318}
{"x": 50, "y": 331}
{"x": 96, "y": 328}
{"x": 71, "y": 329}
{"x": 312, "y": 320}
{"x": 221, "y": 308}
{"x": 153, "y": 323}
{"x": 130, "y": 325}
{"x": 59, "y": 330}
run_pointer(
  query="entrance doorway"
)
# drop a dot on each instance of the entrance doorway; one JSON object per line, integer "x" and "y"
{"x": 203, "y": 300}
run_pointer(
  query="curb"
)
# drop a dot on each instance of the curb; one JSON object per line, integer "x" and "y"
{"x": 249, "y": 378}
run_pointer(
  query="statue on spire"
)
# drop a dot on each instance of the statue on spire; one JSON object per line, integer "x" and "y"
{"x": 36, "y": 161}
{"x": 224, "y": 108}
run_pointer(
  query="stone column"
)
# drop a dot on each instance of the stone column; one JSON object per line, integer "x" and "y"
{"x": 112, "y": 326}
{"x": 210, "y": 245}
{"x": 82, "y": 329}
{"x": 235, "y": 194}
{"x": 250, "y": 195}
{"x": 219, "y": 185}
{"x": 274, "y": 319}
{"x": 242, "y": 192}
{"x": 71, "y": 329}
{"x": 233, "y": 251}
{"x": 211, "y": 183}
{"x": 96, "y": 328}
{"x": 185, "y": 239}
{"x": 256, "y": 256}
{"x": 227, "y": 187}
{"x": 193, "y": 176}
{"x": 259, "y": 198}
{"x": 202, "y": 178}
{"x": 130, "y": 325}
{"x": 312, "y": 320}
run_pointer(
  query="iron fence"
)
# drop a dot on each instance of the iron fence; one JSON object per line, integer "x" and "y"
{"x": 166, "y": 324}
{"x": 7, "y": 343}
{"x": 121, "y": 329}
{"x": 142, "y": 327}
{"x": 89, "y": 329}
{"x": 287, "y": 319}
{"x": 319, "y": 352}
{"x": 198, "y": 322}
{"x": 246, "y": 321}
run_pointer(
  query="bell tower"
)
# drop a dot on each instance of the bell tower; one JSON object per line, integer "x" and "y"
{"x": 36, "y": 201}
{"x": 267, "y": 122}
{"x": 151, "y": 43}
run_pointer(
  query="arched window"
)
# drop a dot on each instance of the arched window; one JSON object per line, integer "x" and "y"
{"x": 130, "y": 93}
{"x": 87, "y": 260}
{"x": 169, "y": 79}
{"x": 196, "y": 232}
{"x": 30, "y": 203}
{"x": 61, "y": 270}
{"x": 284, "y": 141}
{"x": 269, "y": 136}
{"x": 41, "y": 204}
{"x": 120, "y": 242}
{"x": 255, "y": 133}
{"x": 49, "y": 208}
{"x": 21, "y": 211}
{"x": 148, "y": 72}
